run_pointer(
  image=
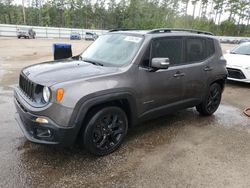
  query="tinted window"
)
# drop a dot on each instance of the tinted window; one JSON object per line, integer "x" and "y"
{"x": 195, "y": 49}
{"x": 210, "y": 47}
{"x": 168, "y": 47}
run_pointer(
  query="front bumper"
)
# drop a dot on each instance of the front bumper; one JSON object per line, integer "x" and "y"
{"x": 239, "y": 80}
{"x": 43, "y": 133}
{"x": 243, "y": 75}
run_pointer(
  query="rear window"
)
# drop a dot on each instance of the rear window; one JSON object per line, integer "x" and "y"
{"x": 195, "y": 49}
{"x": 210, "y": 47}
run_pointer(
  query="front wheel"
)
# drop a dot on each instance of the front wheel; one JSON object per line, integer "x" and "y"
{"x": 105, "y": 131}
{"x": 212, "y": 100}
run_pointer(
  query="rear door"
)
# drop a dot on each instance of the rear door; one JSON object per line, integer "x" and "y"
{"x": 197, "y": 63}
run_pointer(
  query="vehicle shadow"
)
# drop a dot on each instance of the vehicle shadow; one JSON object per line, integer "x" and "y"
{"x": 156, "y": 132}
{"x": 53, "y": 162}
{"x": 237, "y": 84}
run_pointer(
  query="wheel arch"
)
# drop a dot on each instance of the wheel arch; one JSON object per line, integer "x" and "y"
{"x": 89, "y": 104}
{"x": 220, "y": 80}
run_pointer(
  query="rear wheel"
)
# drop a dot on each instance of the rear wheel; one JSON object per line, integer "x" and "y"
{"x": 105, "y": 131}
{"x": 212, "y": 100}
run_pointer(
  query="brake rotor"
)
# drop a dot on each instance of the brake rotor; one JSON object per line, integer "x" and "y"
{"x": 247, "y": 112}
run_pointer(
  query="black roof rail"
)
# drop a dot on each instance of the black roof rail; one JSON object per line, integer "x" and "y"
{"x": 169, "y": 30}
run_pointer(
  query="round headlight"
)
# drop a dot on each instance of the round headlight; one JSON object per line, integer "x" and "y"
{"x": 46, "y": 94}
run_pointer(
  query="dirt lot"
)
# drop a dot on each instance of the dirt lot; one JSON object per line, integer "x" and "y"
{"x": 179, "y": 150}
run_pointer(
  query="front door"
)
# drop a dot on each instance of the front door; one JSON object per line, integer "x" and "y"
{"x": 162, "y": 88}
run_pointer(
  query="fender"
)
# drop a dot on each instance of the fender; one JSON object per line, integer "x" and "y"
{"x": 212, "y": 80}
{"x": 85, "y": 103}
{"x": 218, "y": 77}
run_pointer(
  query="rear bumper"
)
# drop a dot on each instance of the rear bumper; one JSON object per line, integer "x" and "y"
{"x": 43, "y": 133}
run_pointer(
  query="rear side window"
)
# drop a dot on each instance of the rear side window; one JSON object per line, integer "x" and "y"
{"x": 169, "y": 48}
{"x": 195, "y": 50}
{"x": 210, "y": 47}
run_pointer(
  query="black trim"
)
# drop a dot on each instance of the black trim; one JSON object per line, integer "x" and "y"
{"x": 169, "y": 30}
{"x": 86, "y": 103}
{"x": 168, "y": 108}
{"x": 235, "y": 73}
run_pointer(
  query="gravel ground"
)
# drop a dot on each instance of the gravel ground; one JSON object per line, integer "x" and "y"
{"x": 178, "y": 150}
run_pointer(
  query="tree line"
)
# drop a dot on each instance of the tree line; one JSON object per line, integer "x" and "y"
{"x": 222, "y": 17}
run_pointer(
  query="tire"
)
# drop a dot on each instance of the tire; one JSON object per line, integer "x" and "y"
{"x": 105, "y": 131}
{"x": 212, "y": 100}
{"x": 18, "y": 37}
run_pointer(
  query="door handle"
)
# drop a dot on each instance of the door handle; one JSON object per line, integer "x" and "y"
{"x": 208, "y": 68}
{"x": 179, "y": 74}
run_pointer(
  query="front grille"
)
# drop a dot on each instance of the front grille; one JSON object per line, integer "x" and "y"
{"x": 235, "y": 73}
{"x": 27, "y": 86}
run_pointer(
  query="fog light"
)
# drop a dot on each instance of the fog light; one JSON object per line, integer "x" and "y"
{"x": 41, "y": 120}
{"x": 43, "y": 133}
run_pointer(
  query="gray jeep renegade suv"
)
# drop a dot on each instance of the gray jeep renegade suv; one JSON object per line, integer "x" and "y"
{"x": 123, "y": 78}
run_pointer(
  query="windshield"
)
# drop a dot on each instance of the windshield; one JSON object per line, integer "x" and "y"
{"x": 243, "y": 49}
{"x": 113, "y": 49}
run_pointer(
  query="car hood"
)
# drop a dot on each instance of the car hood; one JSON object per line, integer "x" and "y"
{"x": 237, "y": 60}
{"x": 54, "y": 72}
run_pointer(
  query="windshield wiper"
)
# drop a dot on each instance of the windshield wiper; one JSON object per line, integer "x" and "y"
{"x": 92, "y": 62}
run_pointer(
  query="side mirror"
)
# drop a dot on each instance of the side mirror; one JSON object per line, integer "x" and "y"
{"x": 160, "y": 63}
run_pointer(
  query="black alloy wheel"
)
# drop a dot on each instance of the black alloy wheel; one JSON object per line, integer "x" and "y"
{"x": 212, "y": 101}
{"x": 105, "y": 131}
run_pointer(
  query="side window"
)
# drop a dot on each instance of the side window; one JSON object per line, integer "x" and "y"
{"x": 168, "y": 47}
{"x": 210, "y": 47}
{"x": 195, "y": 50}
